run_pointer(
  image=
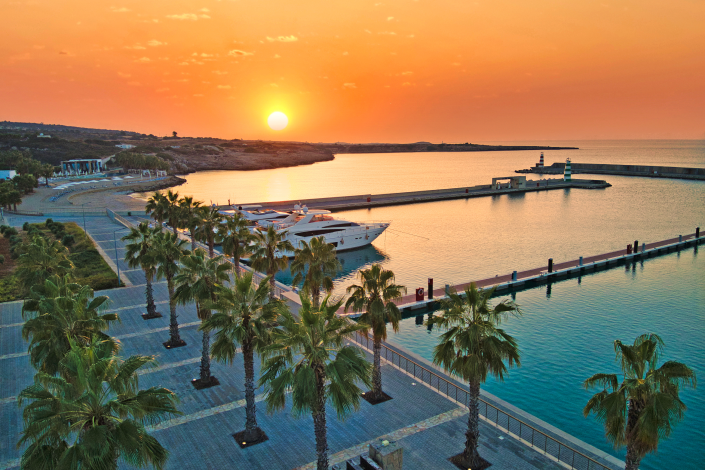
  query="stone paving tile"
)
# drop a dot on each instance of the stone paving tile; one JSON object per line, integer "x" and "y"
{"x": 204, "y": 439}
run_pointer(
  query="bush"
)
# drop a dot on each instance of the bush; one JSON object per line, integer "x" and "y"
{"x": 34, "y": 230}
{"x": 251, "y": 150}
{"x": 25, "y": 226}
{"x": 48, "y": 222}
{"x": 15, "y": 239}
{"x": 10, "y": 232}
{"x": 3, "y": 228}
{"x": 68, "y": 240}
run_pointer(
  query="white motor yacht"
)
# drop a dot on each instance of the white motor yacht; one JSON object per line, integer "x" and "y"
{"x": 305, "y": 224}
{"x": 254, "y": 213}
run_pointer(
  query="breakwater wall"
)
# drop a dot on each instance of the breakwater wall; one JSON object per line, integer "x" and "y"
{"x": 623, "y": 170}
{"x": 412, "y": 197}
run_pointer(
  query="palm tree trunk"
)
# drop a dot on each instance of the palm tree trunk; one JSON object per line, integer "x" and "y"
{"x": 151, "y": 309}
{"x": 272, "y": 286}
{"x": 316, "y": 297}
{"x": 236, "y": 262}
{"x": 633, "y": 458}
{"x": 251, "y": 428}
{"x": 206, "y": 359}
{"x": 471, "y": 456}
{"x": 211, "y": 247}
{"x": 192, "y": 229}
{"x": 377, "y": 369}
{"x": 319, "y": 422}
{"x": 174, "y": 337}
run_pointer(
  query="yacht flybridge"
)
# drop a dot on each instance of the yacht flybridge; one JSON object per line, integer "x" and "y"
{"x": 254, "y": 213}
{"x": 305, "y": 224}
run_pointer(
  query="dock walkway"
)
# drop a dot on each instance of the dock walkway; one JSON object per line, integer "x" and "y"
{"x": 363, "y": 201}
{"x": 560, "y": 270}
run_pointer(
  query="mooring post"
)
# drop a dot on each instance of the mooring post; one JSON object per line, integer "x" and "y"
{"x": 643, "y": 247}
{"x": 697, "y": 232}
{"x": 629, "y": 249}
{"x": 550, "y": 265}
{"x": 580, "y": 261}
{"x": 636, "y": 246}
{"x": 514, "y": 276}
{"x": 447, "y": 289}
{"x": 430, "y": 288}
{"x": 680, "y": 238}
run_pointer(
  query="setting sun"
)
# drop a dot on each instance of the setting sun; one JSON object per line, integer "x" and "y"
{"x": 277, "y": 120}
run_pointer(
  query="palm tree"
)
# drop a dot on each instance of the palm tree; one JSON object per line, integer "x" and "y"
{"x": 244, "y": 315}
{"x": 140, "y": 254}
{"x": 307, "y": 356}
{"x": 236, "y": 237}
{"x": 199, "y": 281}
{"x": 40, "y": 259}
{"x": 645, "y": 407}
{"x": 264, "y": 253}
{"x": 188, "y": 216}
{"x": 322, "y": 264}
{"x": 473, "y": 347}
{"x": 208, "y": 222}
{"x": 169, "y": 249}
{"x": 94, "y": 414}
{"x": 374, "y": 297}
{"x": 58, "y": 312}
{"x": 158, "y": 207}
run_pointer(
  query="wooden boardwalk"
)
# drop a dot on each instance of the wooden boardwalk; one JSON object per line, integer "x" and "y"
{"x": 560, "y": 270}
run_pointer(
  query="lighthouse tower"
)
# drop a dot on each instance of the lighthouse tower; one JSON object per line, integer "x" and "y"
{"x": 540, "y": 163}
{"x": 567, "y": 170}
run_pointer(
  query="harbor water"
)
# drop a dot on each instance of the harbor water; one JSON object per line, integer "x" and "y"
{"x": 564, "y": 338}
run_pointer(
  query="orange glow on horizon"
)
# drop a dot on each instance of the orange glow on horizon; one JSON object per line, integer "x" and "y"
{"x": 393, "y": 71}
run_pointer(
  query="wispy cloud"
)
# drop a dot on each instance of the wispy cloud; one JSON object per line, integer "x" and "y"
{"x": 390, "y": 18}
{"x": 198, "y": 95}
{"x": 188, "y": 17}
{"x": 219, "y": 72}
{"x": 136, "y": 47}
{"x": 155, "y": 43}
{"x": 290, "y": 38}
{"x": 143, "y": 59}
{"x": 407, "y": 73}
{"x": 274, "y": 85}
{"x": 119, "y": 9}
{"x": 345, "y": 53}
{"x": 223, "y": 87}
{"x": 388, "y": 33}
{"x": 134, "y": 83}
{"x": 239, "y": 53}
{"x": 161, "y": 90}
{"x": 349, "y": 85}
{"x": 124, "y": 75}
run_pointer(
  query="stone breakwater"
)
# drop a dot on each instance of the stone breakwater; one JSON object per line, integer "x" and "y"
{"x": 623, "y": 170}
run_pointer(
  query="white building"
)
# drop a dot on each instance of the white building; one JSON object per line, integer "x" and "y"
{"x": 125, "y": 146}
{"x": 7, "y": 174}
{"x": 44, "y": 136}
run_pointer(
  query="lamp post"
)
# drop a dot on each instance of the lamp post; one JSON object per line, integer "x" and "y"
{"x": 117, "y": 263}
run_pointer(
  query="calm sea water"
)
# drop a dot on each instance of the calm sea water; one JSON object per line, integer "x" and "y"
{"x": 565, "y": 338}
{"x": 567, "y": 335}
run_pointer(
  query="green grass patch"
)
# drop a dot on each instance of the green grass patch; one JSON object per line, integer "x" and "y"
{"x": 90, "y": 268}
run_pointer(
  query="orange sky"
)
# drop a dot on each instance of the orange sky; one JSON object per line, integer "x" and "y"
{"x": 359, "y": 71}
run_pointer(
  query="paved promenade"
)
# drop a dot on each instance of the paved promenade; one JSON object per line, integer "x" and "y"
{"x": 428, "y": 426}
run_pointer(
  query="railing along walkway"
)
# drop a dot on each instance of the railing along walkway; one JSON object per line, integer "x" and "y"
{"x": 528, "y": 434}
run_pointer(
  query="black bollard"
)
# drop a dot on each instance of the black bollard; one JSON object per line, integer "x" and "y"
{"x": 636, "y": 246}
{"x": 550, "y": 265}
{"x": 430, "y": 288}
{"x": 697, "y": 232}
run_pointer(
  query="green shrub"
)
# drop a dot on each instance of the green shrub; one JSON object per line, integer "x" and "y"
{"x": 25, "y": 226}
{"x": 15, "y": 239}
{"x": 3, "y": 228}
{"x": 9, "y": 289}
{"x": 49, "y": 221}
{"x": 10, "y": 232}
{"x": 68, "y": 240}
